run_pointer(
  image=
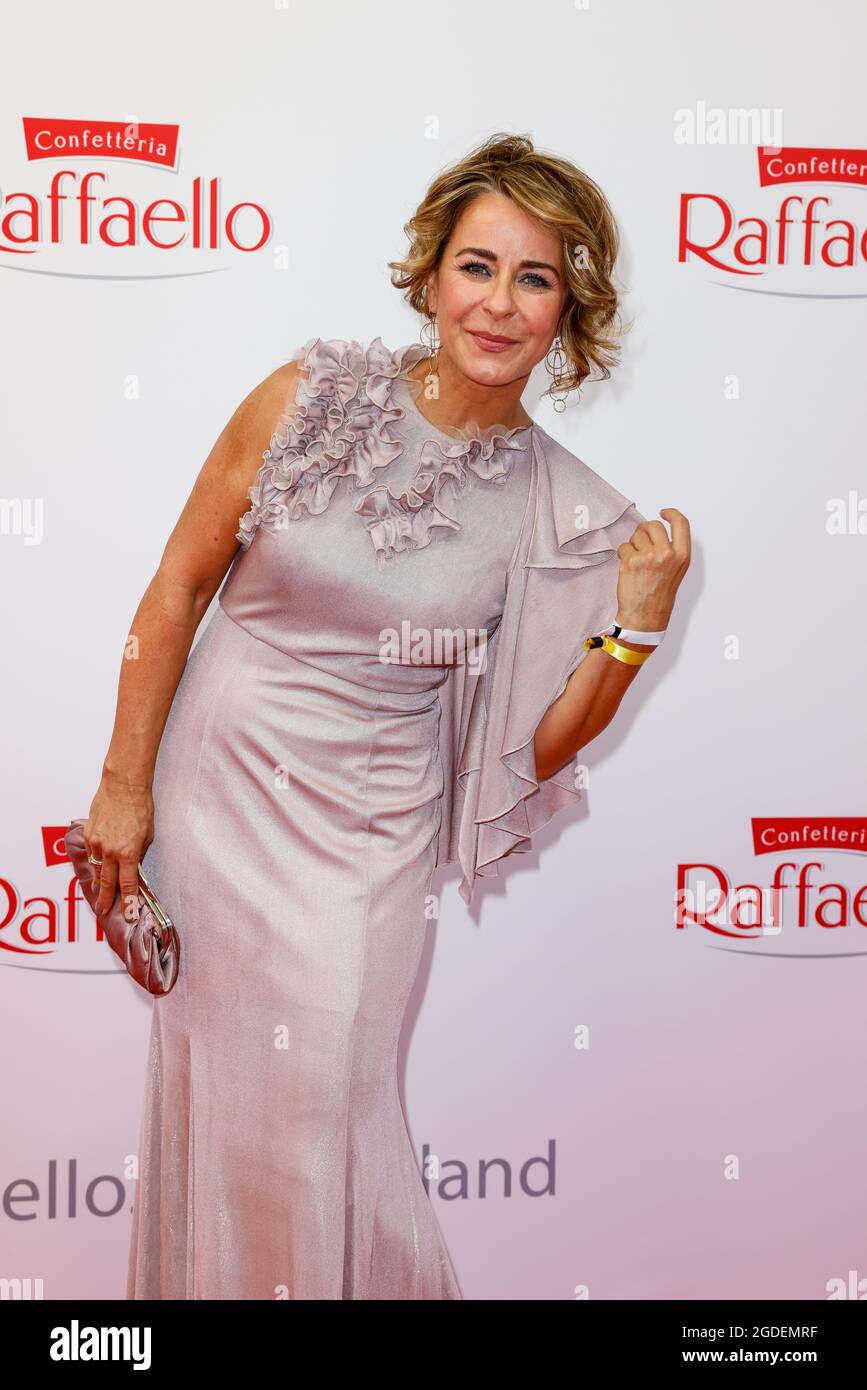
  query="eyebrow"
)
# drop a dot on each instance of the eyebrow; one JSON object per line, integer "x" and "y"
{"x": 491, "y": 256}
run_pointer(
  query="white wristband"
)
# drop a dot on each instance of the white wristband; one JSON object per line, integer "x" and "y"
{"x": 649, "y": 639}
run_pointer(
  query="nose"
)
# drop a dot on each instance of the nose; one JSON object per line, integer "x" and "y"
{"x": 499, "y": 301}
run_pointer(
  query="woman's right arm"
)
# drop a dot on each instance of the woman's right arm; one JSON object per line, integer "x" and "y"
{"x": 195, "y": 561}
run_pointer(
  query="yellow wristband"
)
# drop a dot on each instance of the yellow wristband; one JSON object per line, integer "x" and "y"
{"x": 615, "y": 649}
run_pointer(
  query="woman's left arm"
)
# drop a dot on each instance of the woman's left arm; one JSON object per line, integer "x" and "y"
{"x": 651, "y": 569}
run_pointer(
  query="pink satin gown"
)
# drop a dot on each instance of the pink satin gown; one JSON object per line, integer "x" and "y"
{"x": 360, "y": 709}
{"x": 298, "y": 803}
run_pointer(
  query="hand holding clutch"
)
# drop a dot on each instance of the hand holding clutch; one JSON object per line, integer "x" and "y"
{"x": 149, "y": 947}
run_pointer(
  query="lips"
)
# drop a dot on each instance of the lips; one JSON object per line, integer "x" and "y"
{"x": 493, "y": 338}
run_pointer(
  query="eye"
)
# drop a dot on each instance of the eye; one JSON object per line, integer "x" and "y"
{"x": 531, "y": 278}
{"x": 541, "y": 282}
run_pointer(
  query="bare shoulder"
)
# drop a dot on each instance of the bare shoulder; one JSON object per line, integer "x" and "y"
{"x": 233, "y": 462}
{"x": 261, "y": 410}
{"x": 203, "y": 542}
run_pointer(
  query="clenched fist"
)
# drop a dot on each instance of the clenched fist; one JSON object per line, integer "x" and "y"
{"x": 651, "y": 568}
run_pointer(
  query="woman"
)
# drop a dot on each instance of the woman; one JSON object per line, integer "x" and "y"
{"x": 394, "y": 678}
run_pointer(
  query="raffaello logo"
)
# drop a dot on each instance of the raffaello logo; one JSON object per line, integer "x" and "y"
{"x": 79, "y": 209}
{"x": 791, "y": 234}
{"x": 800, "y": 895}
{"x": 34, "y": 926}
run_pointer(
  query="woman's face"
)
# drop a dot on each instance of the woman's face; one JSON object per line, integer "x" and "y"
{"x": 501, "y": 274}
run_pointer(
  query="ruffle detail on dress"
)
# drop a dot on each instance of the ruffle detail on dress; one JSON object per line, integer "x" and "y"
{"x": 337, "y": 427}
{"x": 406, "y": 520}
{"x": 560, "y": 590}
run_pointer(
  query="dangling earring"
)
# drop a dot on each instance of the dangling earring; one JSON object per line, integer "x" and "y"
{"x": 432, "y": 348}
{"x": 557, "y": 371}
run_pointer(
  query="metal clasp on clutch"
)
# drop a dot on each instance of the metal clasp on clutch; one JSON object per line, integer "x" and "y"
{"x": 153, "y": 902}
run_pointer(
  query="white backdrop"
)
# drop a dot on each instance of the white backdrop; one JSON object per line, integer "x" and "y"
{"x": 704, "y": 1119}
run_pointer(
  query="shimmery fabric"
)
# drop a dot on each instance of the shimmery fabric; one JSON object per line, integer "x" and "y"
{"x": 306, "y": 790}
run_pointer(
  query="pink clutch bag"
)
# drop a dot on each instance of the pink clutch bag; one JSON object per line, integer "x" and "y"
{"x": 149, "y": 948}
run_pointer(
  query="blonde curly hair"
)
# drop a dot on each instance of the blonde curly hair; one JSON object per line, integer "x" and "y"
{"x": 566, "y": 201}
